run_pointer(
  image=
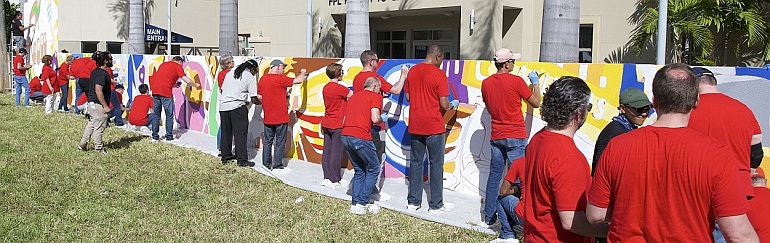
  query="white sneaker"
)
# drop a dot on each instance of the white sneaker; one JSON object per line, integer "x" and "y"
{"x": 412, "y": 208}
{"x": 384, "y": 197}
{"x": 358, "y": 209}
{"x": 446, "y": 208}
{"x": 488, "y": 226}
{"x": 330, "y": 184}
{"x": 282, "y": 171}
{"x": 498, "y": 240}
{"x": 373, "y": 208}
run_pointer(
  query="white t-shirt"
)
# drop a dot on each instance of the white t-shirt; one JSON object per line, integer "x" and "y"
{"x": 237, "y": 92}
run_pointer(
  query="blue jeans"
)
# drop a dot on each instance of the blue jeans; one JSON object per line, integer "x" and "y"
{"x": 504, "y": 151}
{"x": 277, "y": 134}
{"x": 506, "y": 208}
{"x": 167, "y": 105}
{"x": 78, "y": 92}
{"x": 64, "y": 95}
{"x": 152, "y": 120}
{"x": 21, "y": 82}
{"x": 363, "y": 154}
{"x": 434, "y": 146}
{"x": 116, "y": 111}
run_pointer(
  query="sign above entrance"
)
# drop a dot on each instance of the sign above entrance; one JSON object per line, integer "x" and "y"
{"x": 341, "y": 2}
{"x": 155, "y": 34}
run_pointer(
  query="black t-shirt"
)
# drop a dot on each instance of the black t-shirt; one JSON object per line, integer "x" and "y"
{"x": 16, "y": 28}
{"x": 101, "y": 77}
{"x": 613, "y": 129}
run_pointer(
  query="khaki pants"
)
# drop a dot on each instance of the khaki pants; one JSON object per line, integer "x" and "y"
{"x": 96, "y": 125}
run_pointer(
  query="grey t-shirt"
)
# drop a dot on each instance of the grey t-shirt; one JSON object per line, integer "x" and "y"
{"x": 237, "y": 92}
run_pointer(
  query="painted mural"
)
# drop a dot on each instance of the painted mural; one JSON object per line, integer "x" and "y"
{"x": 467, "y": 143}
{"x": 45, "y": 34}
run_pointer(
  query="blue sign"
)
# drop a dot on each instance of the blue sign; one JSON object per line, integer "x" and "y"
{"x": 155, "y": 34}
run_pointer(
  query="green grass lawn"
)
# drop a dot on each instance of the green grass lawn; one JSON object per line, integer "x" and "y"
{"x": 143, "y": 191}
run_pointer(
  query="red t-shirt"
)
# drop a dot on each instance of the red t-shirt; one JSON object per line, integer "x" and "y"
{"x": 18, "y": 59}
{"x": 335, "y": 96}
{"x": 517, "y": 172}
{"x": 164, "y": 79}
{"x": 731, "y": 122}
{"x": 272, "y": 88}
{"x": 425, "y": 84}
{"x": 139, "y": 109}
{"x": 360, "y": 79}
{"x": 557, "y": 177}
{"x": 502, "y": 94}
{"x": 35, "y": 85}
{"x": 677, "y": 176}
{"x": 760, "y": 213}
{"x": 221, "y": 78}
{"x": 82, "y": 99}
{"x": 358, "y": 114}
{"x": 64, "y": 72}
{"x": 82, "y": 67}
{"x": 112, "y": 77}
{"x": 49, "y": 75}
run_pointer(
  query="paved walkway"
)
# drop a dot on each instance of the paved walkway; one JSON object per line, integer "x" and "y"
{"x": 308, "y": 176}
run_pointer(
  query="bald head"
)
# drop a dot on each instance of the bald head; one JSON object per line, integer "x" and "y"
{"x": 675, "y": 89}
{"x": 435, "y": 50}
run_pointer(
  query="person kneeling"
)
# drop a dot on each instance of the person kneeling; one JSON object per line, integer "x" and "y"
{"x": 141, "y": 113}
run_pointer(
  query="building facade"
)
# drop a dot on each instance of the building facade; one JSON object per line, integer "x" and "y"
{"x": 399, "y": 28}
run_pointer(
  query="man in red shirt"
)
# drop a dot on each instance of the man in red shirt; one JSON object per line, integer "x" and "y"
{"x": 162, "y": 82}
{"x": 427, "y": 91}
{"x": 759, "y": 216}
{"x": 509, "y": 206}
{"x": 271, "y": 89}
{"x": 81, "y": 69}
{"x": 730, "y": 121}
{"x": 502, "y": 93}
{"x": 227, "y": 64}
{"x": 557, "y": 174}
{"x": 20, "y": 80}
{"x": 141, "y": 109}
{"x": 363, "y": 111}
{"x": 335, "y": 96}
{"x": 63, "y": 80}
{"x": 667, "y": 182}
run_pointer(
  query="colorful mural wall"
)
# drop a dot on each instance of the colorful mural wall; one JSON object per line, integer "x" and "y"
{"x": 467, "y": 145}
{"x": 45, "y": 34}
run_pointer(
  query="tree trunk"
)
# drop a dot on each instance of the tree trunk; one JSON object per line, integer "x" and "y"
{"x": 136, "y": 27}
{"x": 561, "y": 29}
{"x": 357, "y": 37}
{"x": 4, "y": 57}
{"x": 228, "y": 28}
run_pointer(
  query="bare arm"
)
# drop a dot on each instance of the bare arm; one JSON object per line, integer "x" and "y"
{"x": 596, "y": 214}
{"x": 191, "y": 82}
{"x": 23, "y": 67}
{"x": 375, "y": 115}
{"x": 301, "y": 77}
{"x": 756, "y": 139}
{"x": 507, "y": 188}
{"x": 444, "y": 101}
{"x": 23, "y": 28}
{"x": 400, "y": 84}
{"x": 576, "y": 222}
{"x": 50, "y": 86}
{"x": 350, "y": 94}
{"x": 737, "y": 229}
{"x": 407, "y": 96}
{"x": 536, "y": 98}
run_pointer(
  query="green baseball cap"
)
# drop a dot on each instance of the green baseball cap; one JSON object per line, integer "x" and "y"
{"x": 635, "y": 98}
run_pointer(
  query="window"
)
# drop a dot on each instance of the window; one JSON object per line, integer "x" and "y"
{"x": 89, "y": 46}
{"x": 436, "y": 35}
{"x": 586, "y": 43}
{"x": 115, "y": 47}
{"x": 391, "y": 44}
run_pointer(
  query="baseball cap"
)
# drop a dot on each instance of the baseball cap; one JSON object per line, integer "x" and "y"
{"x": 759, "y": 173}
{"x": 635, "y": 98}
{"x": 22, "y": 50}
{"x": 700, "y": 72}
{"x": 505, "y": 54}
{"x": 276, "y": 62}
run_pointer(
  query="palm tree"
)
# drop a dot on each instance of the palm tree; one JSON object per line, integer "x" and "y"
{"x": 4, "y": 58}
{"x": 560, "y": 34}
{"x": 357, "y": 28}
{"x": 228, "y": 27}
{"x": 685, "y": 29}
{"x": 136, "y": 28}
{"x": 737, "y": 24}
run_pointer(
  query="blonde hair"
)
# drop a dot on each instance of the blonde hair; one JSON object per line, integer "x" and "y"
{"x": 47, "y": 59}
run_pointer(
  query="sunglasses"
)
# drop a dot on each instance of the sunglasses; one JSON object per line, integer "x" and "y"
{"x": 590, "y": 106}
{"x": 640, "y": 110}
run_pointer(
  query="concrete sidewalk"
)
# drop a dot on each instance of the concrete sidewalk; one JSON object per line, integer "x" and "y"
{"x": 308, "y": 176}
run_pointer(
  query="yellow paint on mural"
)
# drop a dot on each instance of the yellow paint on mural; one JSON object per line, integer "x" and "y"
{"x": 449, "y": 167}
